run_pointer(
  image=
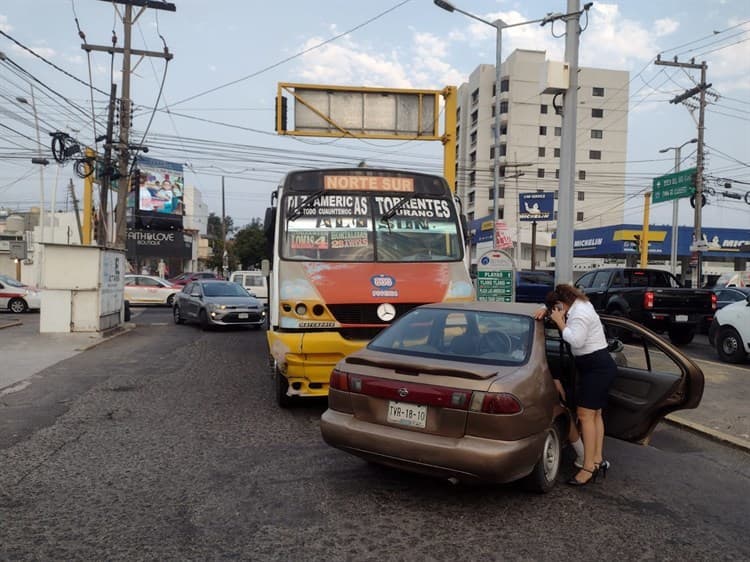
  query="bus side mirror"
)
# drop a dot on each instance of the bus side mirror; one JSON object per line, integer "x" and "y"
{"x": 464, "y": 229}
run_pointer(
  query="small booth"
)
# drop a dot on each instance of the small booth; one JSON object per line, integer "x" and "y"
{"x": 82, "y": 288}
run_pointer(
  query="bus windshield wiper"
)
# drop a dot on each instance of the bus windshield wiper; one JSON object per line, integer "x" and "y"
{"x": 389, "y": 214}
{"x": 297, "y": 211}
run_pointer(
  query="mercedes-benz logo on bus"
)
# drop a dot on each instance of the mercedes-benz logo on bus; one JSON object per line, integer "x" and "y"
{"x": 386, "y": 312}
{"x": 403, "y": 393}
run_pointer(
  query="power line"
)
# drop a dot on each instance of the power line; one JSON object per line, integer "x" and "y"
{"x": 296, "y": 55}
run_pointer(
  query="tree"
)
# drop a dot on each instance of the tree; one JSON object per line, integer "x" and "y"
{"x": 216, "y": 241}
{"x": 213, "y": 228}
{"x": 248, "y": 247}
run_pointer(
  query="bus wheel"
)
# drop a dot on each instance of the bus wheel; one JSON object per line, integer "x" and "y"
{"x": 282, "y": 385}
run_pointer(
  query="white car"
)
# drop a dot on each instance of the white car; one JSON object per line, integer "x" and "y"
{"x": 18, "y": 297}
{"x": 149, "y": 289}
{"x": 730, "y": 331}
{"x": 255, "y": 283}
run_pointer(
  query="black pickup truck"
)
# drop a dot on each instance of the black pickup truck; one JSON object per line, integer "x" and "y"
{"x": 651, "y": 297}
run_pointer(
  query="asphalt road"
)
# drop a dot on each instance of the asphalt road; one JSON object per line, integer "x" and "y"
{"x": 166, "y": 443}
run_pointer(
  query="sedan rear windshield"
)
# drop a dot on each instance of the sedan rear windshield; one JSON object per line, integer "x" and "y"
{"x": 459, "y": 335}
{"x": 224, "y": 290}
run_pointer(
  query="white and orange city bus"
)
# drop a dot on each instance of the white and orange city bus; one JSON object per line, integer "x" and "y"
{"x": 353, "y": 250}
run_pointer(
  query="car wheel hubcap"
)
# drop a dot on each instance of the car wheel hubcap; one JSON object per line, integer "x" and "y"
{"x": 551, "y": 456}
{"x": 730, "y": 345}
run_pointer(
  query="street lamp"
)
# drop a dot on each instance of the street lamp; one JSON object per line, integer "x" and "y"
{"x": 38, "y": 160}
{"x": 499, "y": 25}
{"x": 675, "y": 205}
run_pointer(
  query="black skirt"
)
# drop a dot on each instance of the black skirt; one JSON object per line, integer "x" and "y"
{"x": 596, "y": 372}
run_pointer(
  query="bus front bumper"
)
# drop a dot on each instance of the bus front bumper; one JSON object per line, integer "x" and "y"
{"x": 306, "y": 359}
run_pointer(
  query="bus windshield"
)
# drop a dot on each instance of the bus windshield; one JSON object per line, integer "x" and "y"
{"x": 356, "y": 227}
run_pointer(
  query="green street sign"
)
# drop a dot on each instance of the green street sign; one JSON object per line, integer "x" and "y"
{"x": 495, "y": 277}
{"x": 673, "y": 186}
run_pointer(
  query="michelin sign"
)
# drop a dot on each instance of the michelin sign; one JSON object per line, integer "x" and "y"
{"x": 536, "y": 206}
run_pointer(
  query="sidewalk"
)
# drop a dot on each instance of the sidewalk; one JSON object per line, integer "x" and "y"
{"x": 724, "y": 411}
{"x": 723, "y": 414}
{"x": 25, "y": 351}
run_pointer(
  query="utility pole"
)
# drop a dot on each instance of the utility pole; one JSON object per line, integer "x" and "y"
{"x": 645, "y": 229}
{"x": 701, "y": 90}
{"x": 104, "y": 184}
{"x": 72, "y": 191}
{"x": 123, "y": 145}
{"x": 224, "y": 254}
{"x": 566, "y": 197}
{"x": 88, "y": 190}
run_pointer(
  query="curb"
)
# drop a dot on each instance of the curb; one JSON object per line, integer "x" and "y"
{"x": 109, "y": 335}
{"x": 10, "y": 324}
{"x": 714, "y": 434}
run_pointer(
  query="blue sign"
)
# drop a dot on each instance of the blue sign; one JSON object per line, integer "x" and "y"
{"x": 620, "y": 240}
{"x": 536, "y": 206}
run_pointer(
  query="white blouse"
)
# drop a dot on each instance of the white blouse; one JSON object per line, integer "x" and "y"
{"x": 583, "y": 329}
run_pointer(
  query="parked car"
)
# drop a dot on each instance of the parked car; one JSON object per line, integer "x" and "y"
{"x": 255, "y": 283}
{"x": 533, "y": 286}
{"x": 651, "y": 297}
{"x": 17, "y": 297}
{"x": 728, "y": 295}
{"x": 149, "y": 289}
{"x": 188, "y": 276}
{"x": 213, "y": 302}
{"x": 730, "y": 331}
{"x": 465, "y": 391}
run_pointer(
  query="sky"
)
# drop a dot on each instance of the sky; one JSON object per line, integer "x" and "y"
{"x": 215, "y": 112}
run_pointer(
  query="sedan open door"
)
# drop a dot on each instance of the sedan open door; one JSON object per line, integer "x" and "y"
{"x": 653, "y": 378}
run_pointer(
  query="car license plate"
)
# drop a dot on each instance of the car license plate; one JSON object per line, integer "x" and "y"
{"x": 681, "y": 318}
{"x": 243, "y": 315}
{"x": 411, "y": 415}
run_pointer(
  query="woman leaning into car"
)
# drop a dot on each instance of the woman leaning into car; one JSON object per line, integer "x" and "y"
{"x": 582, "y": 329}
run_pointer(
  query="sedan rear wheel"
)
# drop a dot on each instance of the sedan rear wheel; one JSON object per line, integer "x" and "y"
{"x": 543, "y": 476}
{"x": 18, "y": 306}
{"x": 729, "y": 345}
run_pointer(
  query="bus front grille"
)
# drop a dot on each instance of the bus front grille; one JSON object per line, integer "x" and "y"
{"x": 366, "y": 313}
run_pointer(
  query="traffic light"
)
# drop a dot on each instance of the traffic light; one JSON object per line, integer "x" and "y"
{"x": 638, "y": 242}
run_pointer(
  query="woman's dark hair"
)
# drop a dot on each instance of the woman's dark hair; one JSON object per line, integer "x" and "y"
{"x": 564, "y": 293}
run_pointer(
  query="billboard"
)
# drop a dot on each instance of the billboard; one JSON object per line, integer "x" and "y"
{"x": 539, "y": 206}
{"x": 161, "y": 187}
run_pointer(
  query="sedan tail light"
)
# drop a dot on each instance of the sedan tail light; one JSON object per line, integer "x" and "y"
{"x": 339, "y": 380}
{"x": 495, "y": 403}
{"x": 426, "y": 394}
{"x": 648, "y": 299}
{"x": 713, "y": 301}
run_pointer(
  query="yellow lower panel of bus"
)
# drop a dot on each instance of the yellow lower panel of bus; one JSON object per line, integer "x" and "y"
{"x": 307, "y": 359}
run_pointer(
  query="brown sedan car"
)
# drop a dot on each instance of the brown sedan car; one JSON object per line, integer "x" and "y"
{"x": 464, "y": 391}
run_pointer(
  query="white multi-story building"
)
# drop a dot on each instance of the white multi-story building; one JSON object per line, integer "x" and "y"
{"x": 529, "y": 145}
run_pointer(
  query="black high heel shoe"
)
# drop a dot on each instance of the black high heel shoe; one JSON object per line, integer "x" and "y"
{"x": 574, "y": 482}
{"x": 603, "y": 467}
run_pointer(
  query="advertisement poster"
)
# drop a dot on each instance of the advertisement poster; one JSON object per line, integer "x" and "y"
{"x": 503, "y": 241}
{"x": 539, "y": 206}
{"x": 161, "y": 186}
